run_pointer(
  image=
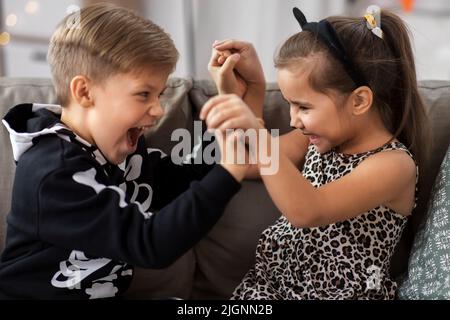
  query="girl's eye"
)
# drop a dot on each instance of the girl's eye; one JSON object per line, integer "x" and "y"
{"x": 144, "y": 94}
{"x": 298, "y": 107}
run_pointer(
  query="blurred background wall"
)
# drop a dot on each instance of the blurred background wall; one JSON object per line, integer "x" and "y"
{"x": 26, "y": 26}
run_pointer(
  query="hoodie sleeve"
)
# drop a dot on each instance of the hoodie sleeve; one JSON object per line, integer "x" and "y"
{"x": 79, "y": 210}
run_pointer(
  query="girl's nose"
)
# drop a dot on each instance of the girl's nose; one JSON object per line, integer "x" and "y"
{"x": 293, "y": 122}
{"x": 295, "y": 119}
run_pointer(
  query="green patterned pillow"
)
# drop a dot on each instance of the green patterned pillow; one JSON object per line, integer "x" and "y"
{"x": 429, "y": 264}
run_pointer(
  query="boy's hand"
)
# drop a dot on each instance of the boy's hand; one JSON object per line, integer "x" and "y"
{"x": 235, "y": 68}
{"x": 222, "y": 70}
{"x": 228, "y": 112}
{"x": 248, "y": 66}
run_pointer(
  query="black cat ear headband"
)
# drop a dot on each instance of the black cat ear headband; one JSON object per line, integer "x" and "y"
{"x": 325, "y": 32}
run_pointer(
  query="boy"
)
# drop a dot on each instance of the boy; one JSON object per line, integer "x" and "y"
{"x": 85, "y": 183}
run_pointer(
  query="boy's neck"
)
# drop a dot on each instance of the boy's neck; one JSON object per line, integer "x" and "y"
{"x": 74, "y": 117}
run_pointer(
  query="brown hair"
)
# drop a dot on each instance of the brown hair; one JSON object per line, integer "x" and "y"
{"x": 387, "y": 64}
{"x": 102, "y": 40}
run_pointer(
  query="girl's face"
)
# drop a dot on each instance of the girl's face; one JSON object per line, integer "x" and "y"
{"x": 125, "y": 105}
{"x": 314, "y": 113}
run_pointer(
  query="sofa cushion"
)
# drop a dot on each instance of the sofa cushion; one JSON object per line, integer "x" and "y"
{"x": 436, "y": 95}
{"x": 226, "y": 254}
{"x": 175, "y": 281}
{"x": 428, "y": 274}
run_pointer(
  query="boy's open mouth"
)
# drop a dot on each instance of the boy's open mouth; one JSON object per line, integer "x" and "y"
{"x": 133, "y": 135}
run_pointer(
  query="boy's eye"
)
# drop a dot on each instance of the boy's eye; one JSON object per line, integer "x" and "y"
{"x": 144, "y": 94}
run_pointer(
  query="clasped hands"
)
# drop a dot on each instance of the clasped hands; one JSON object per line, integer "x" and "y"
{"x": 237, "y": 73}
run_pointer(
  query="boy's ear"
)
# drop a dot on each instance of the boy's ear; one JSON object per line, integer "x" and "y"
{"x": 361, "y": 100}
{"x": 80, "y": 88}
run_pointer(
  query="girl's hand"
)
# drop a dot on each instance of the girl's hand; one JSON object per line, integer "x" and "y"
{"x": 234, "y": 156}
{"x": 228, "y": 112}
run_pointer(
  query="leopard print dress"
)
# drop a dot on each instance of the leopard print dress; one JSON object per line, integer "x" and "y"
{"x": 344, "y": 260}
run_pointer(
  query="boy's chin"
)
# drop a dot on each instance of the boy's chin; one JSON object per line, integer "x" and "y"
{"x": 116, "y": 159}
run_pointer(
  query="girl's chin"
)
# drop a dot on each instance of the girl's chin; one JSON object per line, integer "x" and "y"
{"x": 323, "y": 148}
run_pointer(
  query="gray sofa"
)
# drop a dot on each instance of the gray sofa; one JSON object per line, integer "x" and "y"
{"x": 214, "y": 267}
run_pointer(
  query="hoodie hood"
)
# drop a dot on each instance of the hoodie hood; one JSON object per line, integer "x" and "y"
{"x": 28, "y": 122}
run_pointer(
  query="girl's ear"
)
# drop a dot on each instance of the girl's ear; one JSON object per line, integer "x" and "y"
{"x": 361, "y": 100}
{"x": 80, "y": 89}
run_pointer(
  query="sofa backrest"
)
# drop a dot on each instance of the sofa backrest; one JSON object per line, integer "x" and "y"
{"x": 182, "y": 101}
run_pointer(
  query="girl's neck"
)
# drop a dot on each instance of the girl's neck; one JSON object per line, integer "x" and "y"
{"x": 368, "y": 136}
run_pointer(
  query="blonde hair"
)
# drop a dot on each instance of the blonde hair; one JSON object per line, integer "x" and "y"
{"x": 102, "y": 40}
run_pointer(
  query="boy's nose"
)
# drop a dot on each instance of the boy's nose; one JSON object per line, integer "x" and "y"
{"x": 156, "y": 110}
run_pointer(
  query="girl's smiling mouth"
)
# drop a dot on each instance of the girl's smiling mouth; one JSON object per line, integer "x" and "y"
{"x": 314, "y": 139}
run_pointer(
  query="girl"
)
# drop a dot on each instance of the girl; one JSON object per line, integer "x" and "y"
{"x": 354, "y": 102}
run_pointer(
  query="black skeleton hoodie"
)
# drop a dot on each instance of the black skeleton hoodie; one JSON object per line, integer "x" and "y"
{"x": 78, "y": 224}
